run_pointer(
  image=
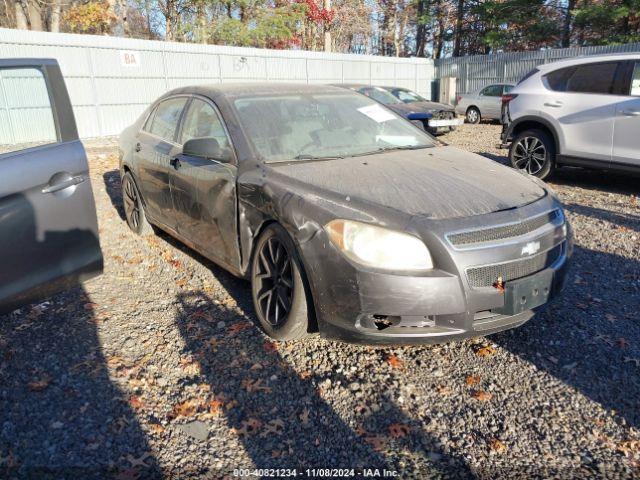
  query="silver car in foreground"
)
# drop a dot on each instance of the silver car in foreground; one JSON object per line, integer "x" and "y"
{"x": 483, "y": 104}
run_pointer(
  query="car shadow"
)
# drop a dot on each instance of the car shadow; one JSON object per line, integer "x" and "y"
{"x": 600, "y": 311}
{"x": 61, "y": 416}
{"x": 281, "y": 416}
{"x": 622, "y": 221}
{"x": 113, "y": 186}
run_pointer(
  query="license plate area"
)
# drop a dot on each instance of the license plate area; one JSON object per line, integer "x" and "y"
{"x": 445, "y": 122}
{"x": 526, "y": 293}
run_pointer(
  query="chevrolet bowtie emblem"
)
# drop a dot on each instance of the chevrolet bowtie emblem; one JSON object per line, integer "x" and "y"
{"x": 530, "y": 248}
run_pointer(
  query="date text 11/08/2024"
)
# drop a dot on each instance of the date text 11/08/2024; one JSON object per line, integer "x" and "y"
{"x": 315, "y": 472}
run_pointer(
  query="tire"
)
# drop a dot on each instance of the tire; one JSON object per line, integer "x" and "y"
{"x": 533, "y": 151}
{"x": 473, "y": 115}
{"x": 133, "y": 207}
{"x": 276, "y": 270}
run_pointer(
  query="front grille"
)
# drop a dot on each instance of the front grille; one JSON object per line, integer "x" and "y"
{"x": 503, "y": 232}
{"x": 443, "y": 115}
{"x": 487, "y": 275}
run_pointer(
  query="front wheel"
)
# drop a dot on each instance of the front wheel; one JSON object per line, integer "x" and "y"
{"x": 533, "y": 151}
{"x": 278, "y": 287}
{"x": 473, "y": 115}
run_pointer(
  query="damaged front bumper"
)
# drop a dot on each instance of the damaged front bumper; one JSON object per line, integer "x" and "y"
{"x": 452, "y": 301}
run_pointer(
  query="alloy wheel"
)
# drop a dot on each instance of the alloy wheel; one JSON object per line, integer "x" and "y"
{"x": 472, "y": 116}
{"x": 131, "y": 204}
{"x": 274, "y": 279}
{"x": 530, "y": 154}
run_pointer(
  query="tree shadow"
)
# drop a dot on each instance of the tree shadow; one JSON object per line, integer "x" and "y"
{"x": 599, "y": 310}
{"x": 283, "y": 418}
{"x": 624, "y": 221}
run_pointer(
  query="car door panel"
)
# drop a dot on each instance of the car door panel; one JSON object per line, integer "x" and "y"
{"x": 203, "y": 189}
{"x": 153, "y": 162}
{"x": 626, "y": 141}
{"x": 48, "y": 225}
{"x": 155, "y": 147}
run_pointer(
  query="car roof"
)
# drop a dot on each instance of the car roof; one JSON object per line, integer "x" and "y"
{"x": 248, "y": 89}
{"x": 588, "y": 59}
{"x": 355, "y": 85}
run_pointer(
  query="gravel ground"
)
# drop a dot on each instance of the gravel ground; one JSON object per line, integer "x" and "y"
{"x": 157, "y": 369}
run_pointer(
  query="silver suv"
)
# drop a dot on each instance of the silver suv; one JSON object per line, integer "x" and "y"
{"x": 582, "y": 112}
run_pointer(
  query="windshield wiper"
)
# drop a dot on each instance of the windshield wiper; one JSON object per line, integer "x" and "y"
{"x": 390, "y": 148}
{"x": 306, "y": 156}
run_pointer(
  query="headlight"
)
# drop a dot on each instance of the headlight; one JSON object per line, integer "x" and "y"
{"x": 379, "y": 247}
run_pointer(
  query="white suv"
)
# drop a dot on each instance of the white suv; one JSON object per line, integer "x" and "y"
{"x": 582, "y": 112}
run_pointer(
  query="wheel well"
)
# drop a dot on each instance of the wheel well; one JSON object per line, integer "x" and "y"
{"x": 313, "y": 320}
{"x": 472, "y": 107}
{"x": 535, "y": 125}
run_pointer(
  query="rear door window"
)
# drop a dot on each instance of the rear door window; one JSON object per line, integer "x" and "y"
{"x": 593, "y": 78}
{"x": 165, "y": 121}
{"x": 26, "y": 115}
{"x": 492, "y": 91}
{"x": 598, "y": 78}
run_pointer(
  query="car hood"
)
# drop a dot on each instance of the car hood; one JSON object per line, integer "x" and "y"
{"x": 422, "y": 106}
{"x": 405, "y": 109}
{"x": 438, "y": 183}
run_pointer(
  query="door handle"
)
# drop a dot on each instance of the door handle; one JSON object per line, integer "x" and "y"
{"x": 56, "y": 187}
{"x": 553, "y": 104}
{"x": 175, "y": 163}
{"x": 138, "y": 147}
{"x": 630, "y": 113}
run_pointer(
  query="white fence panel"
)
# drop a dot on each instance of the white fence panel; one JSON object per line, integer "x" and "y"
{"x": 111, "y": 80}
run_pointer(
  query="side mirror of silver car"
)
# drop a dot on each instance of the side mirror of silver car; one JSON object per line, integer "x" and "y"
{"x": 206, "y": 147}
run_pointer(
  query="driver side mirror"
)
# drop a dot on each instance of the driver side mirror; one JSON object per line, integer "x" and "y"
{"x": 206, "y": 147}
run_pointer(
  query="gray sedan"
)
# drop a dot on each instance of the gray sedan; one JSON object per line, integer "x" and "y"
{"x": 347, "y": 219}
{"x": 483, "y": 104}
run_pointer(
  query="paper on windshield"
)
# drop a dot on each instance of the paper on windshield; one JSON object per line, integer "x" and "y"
{"x": 377, "y": 113}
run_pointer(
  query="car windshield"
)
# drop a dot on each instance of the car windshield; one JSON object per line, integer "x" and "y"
{"x": 379, "y": 95}
{"x": 322, "y": 126}
{"x": 408, "y": 96}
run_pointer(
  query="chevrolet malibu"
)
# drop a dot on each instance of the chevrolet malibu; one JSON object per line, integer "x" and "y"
{"x": 346, "y": 218}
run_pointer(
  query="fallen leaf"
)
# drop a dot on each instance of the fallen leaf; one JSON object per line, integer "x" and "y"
{"x": 138, "y": 461}
{"x": 306, "y": 374}
{"x": 394, "y": 361}
{"x": 444, "y": 390}
{"x": 481, "y": 395}
{"x": 156, "y": 428}
{"x": 304, "y": 416}
{"x": 185, "y": 409}
{"x": 497, "y": 446}
{"x": 40, "y": 384}
{"x": 622, "y": 342}
{"x": 238, "y": 327}
{"x": 252, "y": 386}
{"x": 486, "y": 351}
{"x": 472, "y": 380}
{"x": 249, "y": 426}
{"x": 399, "y": 430}
{"x": 215, "y": 407}
{"x": 273, "y": 427}
{"x": 136, "y": 402}
{"x": 270, "y": 347}
{"x": 499, "y": 285}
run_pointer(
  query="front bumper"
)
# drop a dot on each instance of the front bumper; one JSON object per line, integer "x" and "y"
{"x": 353, "y": 303}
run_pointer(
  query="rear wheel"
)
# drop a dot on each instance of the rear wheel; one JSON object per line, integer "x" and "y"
{"x": 133, "y": 207}
{"x": 278, "y": 287}
{"x": 533, "y": 151}
{"x": 473, "y": 115}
